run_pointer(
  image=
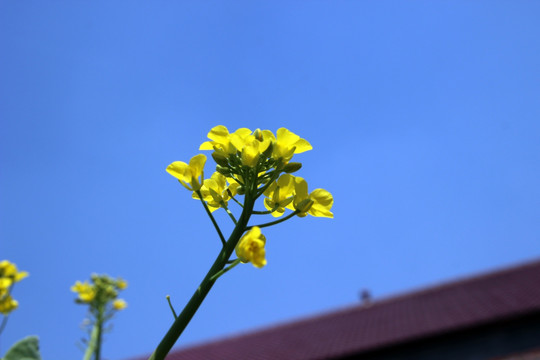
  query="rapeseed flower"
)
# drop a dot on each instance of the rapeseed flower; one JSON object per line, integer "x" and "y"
{"x": 190, "y": 175}
{"x": 279, "y": 194}
{"x": 287, "y": 143}
{"x": 9, "y": 275}
{"x": 85, "y": 291}
{"x": 250, "y": 248}
{"x": 317, "y": 203}
{"x": 102, "y": 290}
{"x": 7, "y": 304}
{"x": 215, "y": 191}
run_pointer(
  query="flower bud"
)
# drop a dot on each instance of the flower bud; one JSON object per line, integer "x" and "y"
{"x": 223, "y": 170}
{"x": 240, "y": 190}
{"x": 258, "y": 134}
{"x": 292, "y": 167}
{"x": 220, "y": 159}
{"x": 268, "y": 151}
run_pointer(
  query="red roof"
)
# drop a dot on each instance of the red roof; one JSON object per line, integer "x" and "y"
{"x": 434, "y": 311}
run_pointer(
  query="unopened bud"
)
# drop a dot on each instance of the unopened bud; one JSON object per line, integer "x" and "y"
{"x": 220, "y": 159}
{"x": 258, "y": 134}
{"x": 292, "y": 167}
{"x": 240, "y": 190}
{"x": 268, "y": 150}
{"x": 223, "y": 170}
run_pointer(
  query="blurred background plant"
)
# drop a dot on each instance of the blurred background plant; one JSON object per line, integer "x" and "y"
{"x": 9, "y": 275}
{"x": 101, "y": 295}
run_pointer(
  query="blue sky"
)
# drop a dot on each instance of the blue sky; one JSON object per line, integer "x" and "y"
{"x": 424, "y": 121}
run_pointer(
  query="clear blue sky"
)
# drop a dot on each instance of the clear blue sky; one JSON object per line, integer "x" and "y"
{"x": 424, "y": 118}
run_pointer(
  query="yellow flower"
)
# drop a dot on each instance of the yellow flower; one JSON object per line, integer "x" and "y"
{"x": 216, "y": 192}
{"x": 222, "y": 140}
{"x": 192, "y": 175}
{"x": 286, "y": 144}
{"x": 279, "y": 194}
{"x": 86, "y": 291}
{"x": 317, "y": 203}
{"x": 251, "y": 151}
{"x": 250, "y": 248}
{"x": 8, "y": 304}
{"x": 119, "y": 304}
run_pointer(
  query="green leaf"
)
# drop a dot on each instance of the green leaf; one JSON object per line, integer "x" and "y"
{"x": 25, "y": 349}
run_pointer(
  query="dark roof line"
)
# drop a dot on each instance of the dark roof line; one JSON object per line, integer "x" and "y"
{"x": 460, "y": 304}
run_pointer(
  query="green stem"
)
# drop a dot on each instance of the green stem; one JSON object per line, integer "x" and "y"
{"x": 230, "y": 213}
{"x": 4, "y": 323}
{"x": 170, "y": 305}
{"x": 266, "y": 212}
{"x": 234, "y": 263}
{"x": 99, "y": 326}
{"x": 273, "y": 178}
{"x": 221, "y": 237}
{"x": 275, "y": 222}
{"x": 196, "y": 300}
{"x": 93, "y": 351}
{"x": 236, "y": 201}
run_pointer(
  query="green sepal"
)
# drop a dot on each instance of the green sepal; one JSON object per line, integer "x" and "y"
{"x": 25, "y": 349}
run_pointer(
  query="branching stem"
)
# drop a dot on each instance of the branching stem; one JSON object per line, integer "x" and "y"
{"x": 275, "y": 222}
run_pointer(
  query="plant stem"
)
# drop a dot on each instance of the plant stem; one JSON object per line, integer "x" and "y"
{"x": 275, "y": 222}
{"x": 99, "y": 326}
{"x": 234, "y": 263}
{"x": 4, "y": 323}
{"x": 170, "y": 305}
{"x": 221, "y": 237}
{"x": 196, "y": 300}
{"x": 230, "y": 214}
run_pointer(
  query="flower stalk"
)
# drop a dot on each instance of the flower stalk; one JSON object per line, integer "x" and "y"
{"x": 249, "y": 164}
{"x": 204, "y": 288}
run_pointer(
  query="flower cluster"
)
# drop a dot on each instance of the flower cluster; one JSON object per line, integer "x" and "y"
{"x": 9, "y": 275}
{"x": 101, "y": 293}
{"x": 253, "y": 163}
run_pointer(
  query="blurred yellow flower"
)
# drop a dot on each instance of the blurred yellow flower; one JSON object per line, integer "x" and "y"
{"x": 8, "y": 304}
{"x": 250, "y": 248}
{"x": 121, "y": 284}
{"x": 9, "y": 274}
{"x": 119, "y": 304}
{"x": 86, "y": 291}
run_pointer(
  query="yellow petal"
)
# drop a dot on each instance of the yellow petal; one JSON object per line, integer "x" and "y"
{"x": 197, "y": 164}
{"x": 219, "y": 134}
{"x": 286, "y": 137}
{"x": 301, "y": 146}
{"x": 207, "y": 145}
{"x": 180, "y": 170}
{"x": 322, "y": 203}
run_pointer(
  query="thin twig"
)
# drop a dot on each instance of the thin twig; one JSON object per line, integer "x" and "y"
{"x": 275, "y": 222}
{"x": 221, "y": 237}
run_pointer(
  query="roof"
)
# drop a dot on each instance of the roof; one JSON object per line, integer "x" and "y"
{"x": 458, "y": 305}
